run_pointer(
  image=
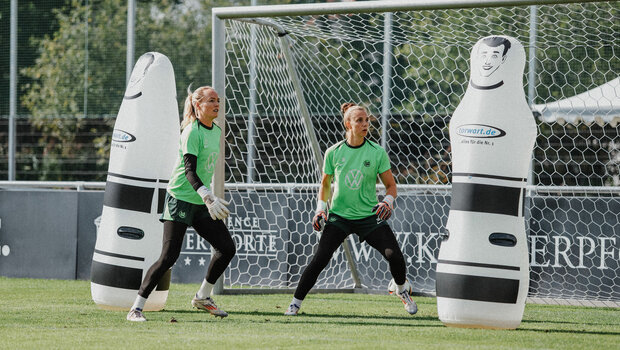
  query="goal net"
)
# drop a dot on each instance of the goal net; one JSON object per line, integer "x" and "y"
{"x": 287, "y": 70}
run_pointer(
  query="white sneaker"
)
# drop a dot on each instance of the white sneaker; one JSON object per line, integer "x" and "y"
{"x": 208, "y": 304}
{"x": 292, "y": 310}
{"x": 410, "y": 305}
{"x": 135, "y": 315}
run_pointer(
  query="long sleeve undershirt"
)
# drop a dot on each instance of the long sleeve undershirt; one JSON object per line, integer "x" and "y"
{"x": 191, "y": 162}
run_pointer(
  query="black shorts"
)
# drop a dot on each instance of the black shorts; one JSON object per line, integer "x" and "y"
{"x": 361, "y": 227}
{"x": 182, "y": 211}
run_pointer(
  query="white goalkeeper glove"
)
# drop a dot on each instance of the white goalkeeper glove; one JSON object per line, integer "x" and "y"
{"x": 384, "y": 208}
{"x": 320, "y": 215}
{"x": 217, "y": 206}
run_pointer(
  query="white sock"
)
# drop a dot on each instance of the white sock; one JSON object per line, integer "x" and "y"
{"x": 296, "y": 302}
{"x": 139, "y": 303}
{"x": 205, "y": 290}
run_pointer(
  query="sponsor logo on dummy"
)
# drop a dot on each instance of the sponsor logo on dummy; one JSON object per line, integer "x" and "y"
{"x": 120, "y": 138}
{"x": 479, "y": 131}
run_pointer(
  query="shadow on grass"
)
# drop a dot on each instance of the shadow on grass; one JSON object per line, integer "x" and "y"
{"x": 375, "y": 320}
{"x": 567, "y": 331}
{"x": 351, "y": 315}
{"x": 567, "y": 322}
{"x": 279, "y": 317}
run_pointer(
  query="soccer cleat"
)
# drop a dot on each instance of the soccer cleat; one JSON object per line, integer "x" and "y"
{"x": 135, "y": 315}
{"x": 410, "y": 305}
{"x": 208, "y": 304}
{"x": 292, "y": 310}
{"x": 393, "y": 287}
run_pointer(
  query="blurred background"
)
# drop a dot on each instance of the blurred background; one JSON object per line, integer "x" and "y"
{"x": 71, "y": 62}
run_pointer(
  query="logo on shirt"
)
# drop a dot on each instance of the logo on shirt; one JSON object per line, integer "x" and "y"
{"x": 211, "y": 161}
{"x": 367, "y": 163}
{"x": 205, "y": 143}
{"x": 340, "y": 162}
{"x": 353, "y": 179}
{"x": 182, "y": 214}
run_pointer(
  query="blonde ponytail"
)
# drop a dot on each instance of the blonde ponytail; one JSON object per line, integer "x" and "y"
{"x": 189, "y": 108}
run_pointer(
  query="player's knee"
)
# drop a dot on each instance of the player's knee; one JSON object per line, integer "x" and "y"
{"x": 168, "y": 260}
{"x": 228, "y": 250}
{"x": 393, "y": 254}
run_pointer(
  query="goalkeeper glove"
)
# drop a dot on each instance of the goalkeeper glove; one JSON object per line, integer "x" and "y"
{"x": 217, "y": 206}
{"x": 384, "y": 208}
{"x": 320, "y": 215}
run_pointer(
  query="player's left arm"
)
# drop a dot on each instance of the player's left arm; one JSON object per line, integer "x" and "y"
{"x": 386, "y": 206}
{"x": 388, "y": 181}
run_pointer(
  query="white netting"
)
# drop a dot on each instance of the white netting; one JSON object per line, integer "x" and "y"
{"x": 272, "y": 174}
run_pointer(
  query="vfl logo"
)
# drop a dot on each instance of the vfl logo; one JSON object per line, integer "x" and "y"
{"x": 211, "y": 161}
{"x": 479, "y": 131}
{"x": 367, "y": 163}
{"x": 354, "y": 178}
{"x": 182, "y": 214}
{"x": 122, "y": 136}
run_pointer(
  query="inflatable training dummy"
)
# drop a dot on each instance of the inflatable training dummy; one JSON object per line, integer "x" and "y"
{"x": 144, "y": 145}
{"x": 483, "y": 272}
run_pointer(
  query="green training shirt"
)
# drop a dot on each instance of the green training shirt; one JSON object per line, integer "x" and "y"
{"x": 355, "y": 170}
{"x": 204, "y": 143}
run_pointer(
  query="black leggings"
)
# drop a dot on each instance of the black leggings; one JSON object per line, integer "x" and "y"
{"x": 381, "y": 239}
{"x": 215, "y": 232}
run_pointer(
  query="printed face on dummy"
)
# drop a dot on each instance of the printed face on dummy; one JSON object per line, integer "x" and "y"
{"x": 490, "y": 58}
{"x": 139, "y": 72}
{"x": 209, "y": 104}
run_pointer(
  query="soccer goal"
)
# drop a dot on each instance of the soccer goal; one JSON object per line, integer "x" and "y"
{"x": 285, "y": 70}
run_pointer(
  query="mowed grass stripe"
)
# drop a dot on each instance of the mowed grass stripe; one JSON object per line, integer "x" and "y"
{"x": 58, "y": 314}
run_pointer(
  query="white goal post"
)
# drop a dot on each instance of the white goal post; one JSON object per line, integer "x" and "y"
{"x": 284, "y": 70}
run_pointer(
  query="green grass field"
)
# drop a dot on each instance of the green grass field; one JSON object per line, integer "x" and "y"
{"x": 54, "y": 314}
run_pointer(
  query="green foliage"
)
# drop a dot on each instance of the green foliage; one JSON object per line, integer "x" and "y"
{"x": 35, "y": 18}
{"x": 79, "y": 70}
{"x": 56, "y": 97}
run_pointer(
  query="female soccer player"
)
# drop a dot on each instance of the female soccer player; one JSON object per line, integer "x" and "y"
{"x": 190, "y": 202}
{"x": 354, "y": 164}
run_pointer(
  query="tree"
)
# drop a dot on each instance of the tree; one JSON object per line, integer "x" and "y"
{"x": 56, "y": 96}
{"x": 34, "y": 19}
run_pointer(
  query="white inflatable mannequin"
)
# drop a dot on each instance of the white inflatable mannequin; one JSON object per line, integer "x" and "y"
{"x": 145, "y": 142}
{"x": 483, "y": 272}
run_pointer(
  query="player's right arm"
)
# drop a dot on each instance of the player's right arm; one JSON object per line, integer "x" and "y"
{"x": 191, "y": 147}
{"x": 320, "y": 214}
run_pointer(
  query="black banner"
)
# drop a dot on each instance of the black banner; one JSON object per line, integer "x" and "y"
{"x": 573, "y": 242}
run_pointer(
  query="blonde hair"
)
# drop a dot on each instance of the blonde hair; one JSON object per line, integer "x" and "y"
{"x": 189, "y": 109}
{"x": 347, "y": 109}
